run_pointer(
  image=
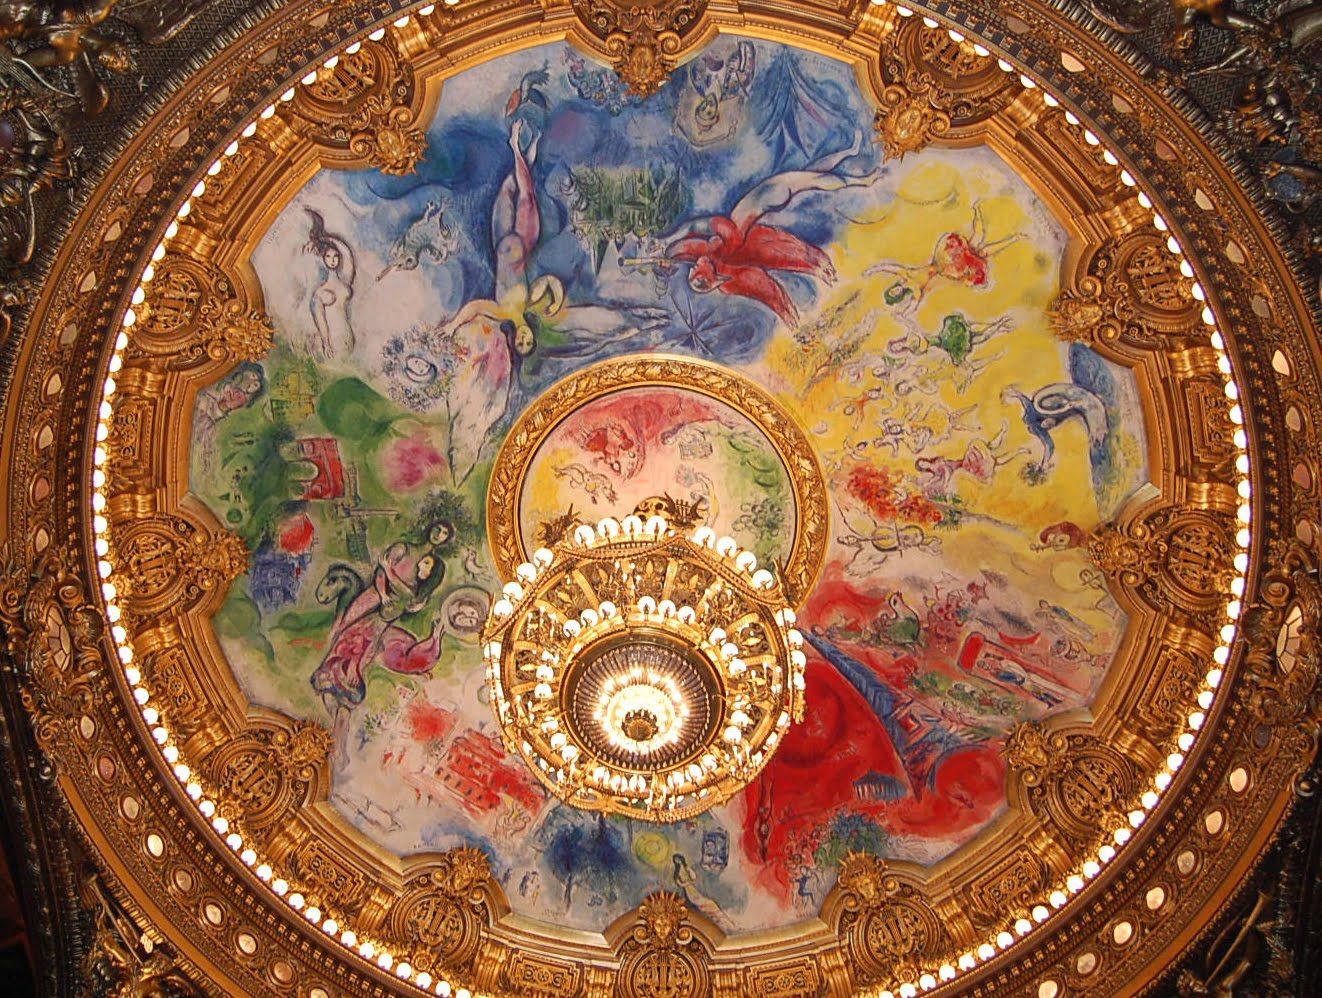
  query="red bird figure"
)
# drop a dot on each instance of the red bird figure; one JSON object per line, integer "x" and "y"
{"x": 739, "y": 261}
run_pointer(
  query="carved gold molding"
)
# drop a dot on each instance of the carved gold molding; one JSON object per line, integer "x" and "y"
{"x": 55, "y": 625}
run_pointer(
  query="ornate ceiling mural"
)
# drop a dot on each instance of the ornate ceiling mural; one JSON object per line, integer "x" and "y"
{"x": 892, "y": 310}
{"x": 912, "y": 306}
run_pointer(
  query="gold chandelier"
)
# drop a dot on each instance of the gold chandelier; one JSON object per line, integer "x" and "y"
{"x": 641, "y": 671}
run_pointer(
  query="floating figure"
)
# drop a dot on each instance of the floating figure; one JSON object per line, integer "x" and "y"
{"x": 961, "y": 259}
{"x": 529, "y": 92}
{"x": 1050, "y": 406}
{"x": 508, "y": 339}
{"x": 329, "y": 301}
{"x": 215, "y": 404}
{"x": 599, "y": 85}
{"x": 408, "y": 573}
{"x": 737, "y": 255}
{"x": 427, "y": 235}
{"x": 362, "y": 635}
{"x": 981, "y": 459}
{"x": 595, "y": 485}
{"x": 882, "y": 540}
{"x": 686, "y": 884}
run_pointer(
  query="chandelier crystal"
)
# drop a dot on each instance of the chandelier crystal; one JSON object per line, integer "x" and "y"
{"x": 642, "y": 671}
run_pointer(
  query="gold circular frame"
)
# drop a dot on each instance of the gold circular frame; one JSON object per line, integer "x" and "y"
{"x": 654, "y": 370}
{"x": 1223, "y": 807}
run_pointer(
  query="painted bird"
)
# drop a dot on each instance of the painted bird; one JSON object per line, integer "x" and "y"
{"x": 527, "y": 92}
{"x": 903, "y": 627}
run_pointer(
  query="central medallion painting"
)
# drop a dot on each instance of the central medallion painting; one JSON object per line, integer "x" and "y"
{"x": 743, "y": 217}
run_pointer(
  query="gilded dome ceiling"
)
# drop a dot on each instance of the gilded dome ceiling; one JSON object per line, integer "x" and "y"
{"x": 956, "y": 320}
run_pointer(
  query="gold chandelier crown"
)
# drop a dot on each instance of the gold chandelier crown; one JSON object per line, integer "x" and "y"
{"x": 641, "y": 671}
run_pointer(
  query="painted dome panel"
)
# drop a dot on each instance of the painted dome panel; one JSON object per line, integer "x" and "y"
{"x": 898, "y": 311}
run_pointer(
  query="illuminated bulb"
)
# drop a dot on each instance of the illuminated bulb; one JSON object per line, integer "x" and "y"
{"x": 704, "y": 536}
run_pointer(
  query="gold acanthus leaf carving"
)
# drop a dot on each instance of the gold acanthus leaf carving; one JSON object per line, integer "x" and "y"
{"x": 390, "y": 142}
{"x": 1131, "y": 290}
{"x": 661, "y": 919}
{"x": 1173, "y": 558}
{"x": 162, "y": 558}
{"x": 53, "y": 632}
{"x": 864, "y": 879}
{"x": 1031, "y": 751}
{"x": 309, "y": 746}
{"x": 887, "y": 926}
{"x": 363, "y": 109}
{"x": 643, "y": 39}
{"x": 1072, "y": 779}
{"x": 931, "y": 84}
{"x": 193, "y": 313}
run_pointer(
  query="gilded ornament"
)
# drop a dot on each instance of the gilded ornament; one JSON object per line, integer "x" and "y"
{"x": 54, "y": 633}
{"x": 1128, "y": 289}
{"x": 124, "y": 959}
{"x": 662, "y": 956}
{"x": 931, "y": 85}
{"x": 194, "y": 313}
{"x": 642, "y": 39}
{"x": 363, "y": 110}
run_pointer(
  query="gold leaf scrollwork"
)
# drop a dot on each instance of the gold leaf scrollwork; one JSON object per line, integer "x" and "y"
{"x": 1130, "y": 290}
{"x": 888, "y": 928}
{"x": 1172, "y": 558}
{"x": 53, "y": 632}
{"x": 643, "y": 40}
{"x": 268, "y": 770}
{"x": 363, "y": 110}
{"x": 443, "y": 912}
{"x": 1072, "y": 779}
{"x": 163, "y": 559}
{"x": 931, "y": 85}
{"x": 661, "y": 954}
{"x": 194, "y": 314}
